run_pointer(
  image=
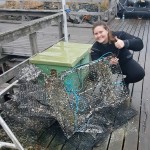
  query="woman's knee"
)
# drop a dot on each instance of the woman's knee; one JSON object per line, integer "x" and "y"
{"x": 137, "y": 76}
{"x": 140, "y": 75}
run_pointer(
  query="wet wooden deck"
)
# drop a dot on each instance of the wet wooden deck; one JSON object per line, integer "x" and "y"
{"x": 135, "y": 134}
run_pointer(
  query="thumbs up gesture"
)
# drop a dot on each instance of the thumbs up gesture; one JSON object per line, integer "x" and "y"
{"x": 119, "y": 43}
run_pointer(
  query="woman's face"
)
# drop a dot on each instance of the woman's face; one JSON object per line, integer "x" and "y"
{"x": 100, "y": 34}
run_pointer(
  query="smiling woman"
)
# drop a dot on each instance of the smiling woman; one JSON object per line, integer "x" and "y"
{"x": 100, "y": 34}
{"x": 118, "y": 44}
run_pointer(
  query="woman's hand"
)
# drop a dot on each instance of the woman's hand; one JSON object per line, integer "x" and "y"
{"x": 114, "y": 61}
{"x": 119, "y": 43}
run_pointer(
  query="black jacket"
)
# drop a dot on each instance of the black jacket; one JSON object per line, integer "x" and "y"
{"x": 131, "y": 43}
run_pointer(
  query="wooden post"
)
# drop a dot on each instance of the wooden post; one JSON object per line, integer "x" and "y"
{"x": 22, "y": 7}
{"x": 1, "y": 51}
{"x": 33, "y": 43}
{"x": 2, "y": 66}
{"x": 99, "y": 10}
{"x": 108, "y": 15}
{"x": 114, "y": 4}
{"x": 60, "y": 27}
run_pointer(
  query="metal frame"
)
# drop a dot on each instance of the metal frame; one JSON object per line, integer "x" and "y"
{"x": 16, "y": 144}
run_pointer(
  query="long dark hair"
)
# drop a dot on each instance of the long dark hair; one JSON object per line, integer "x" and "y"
{"x": 111, "y": 38}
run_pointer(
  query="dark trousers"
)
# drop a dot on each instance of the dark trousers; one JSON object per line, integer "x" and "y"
{"x": 133, "y": 71}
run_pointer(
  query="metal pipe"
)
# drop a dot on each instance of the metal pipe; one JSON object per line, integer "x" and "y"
{"x": 7, "y": 145}
{"x": 10, "y": 134}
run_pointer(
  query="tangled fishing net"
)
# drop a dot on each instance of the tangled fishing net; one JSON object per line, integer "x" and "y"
{"x": 86, "y": 99}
